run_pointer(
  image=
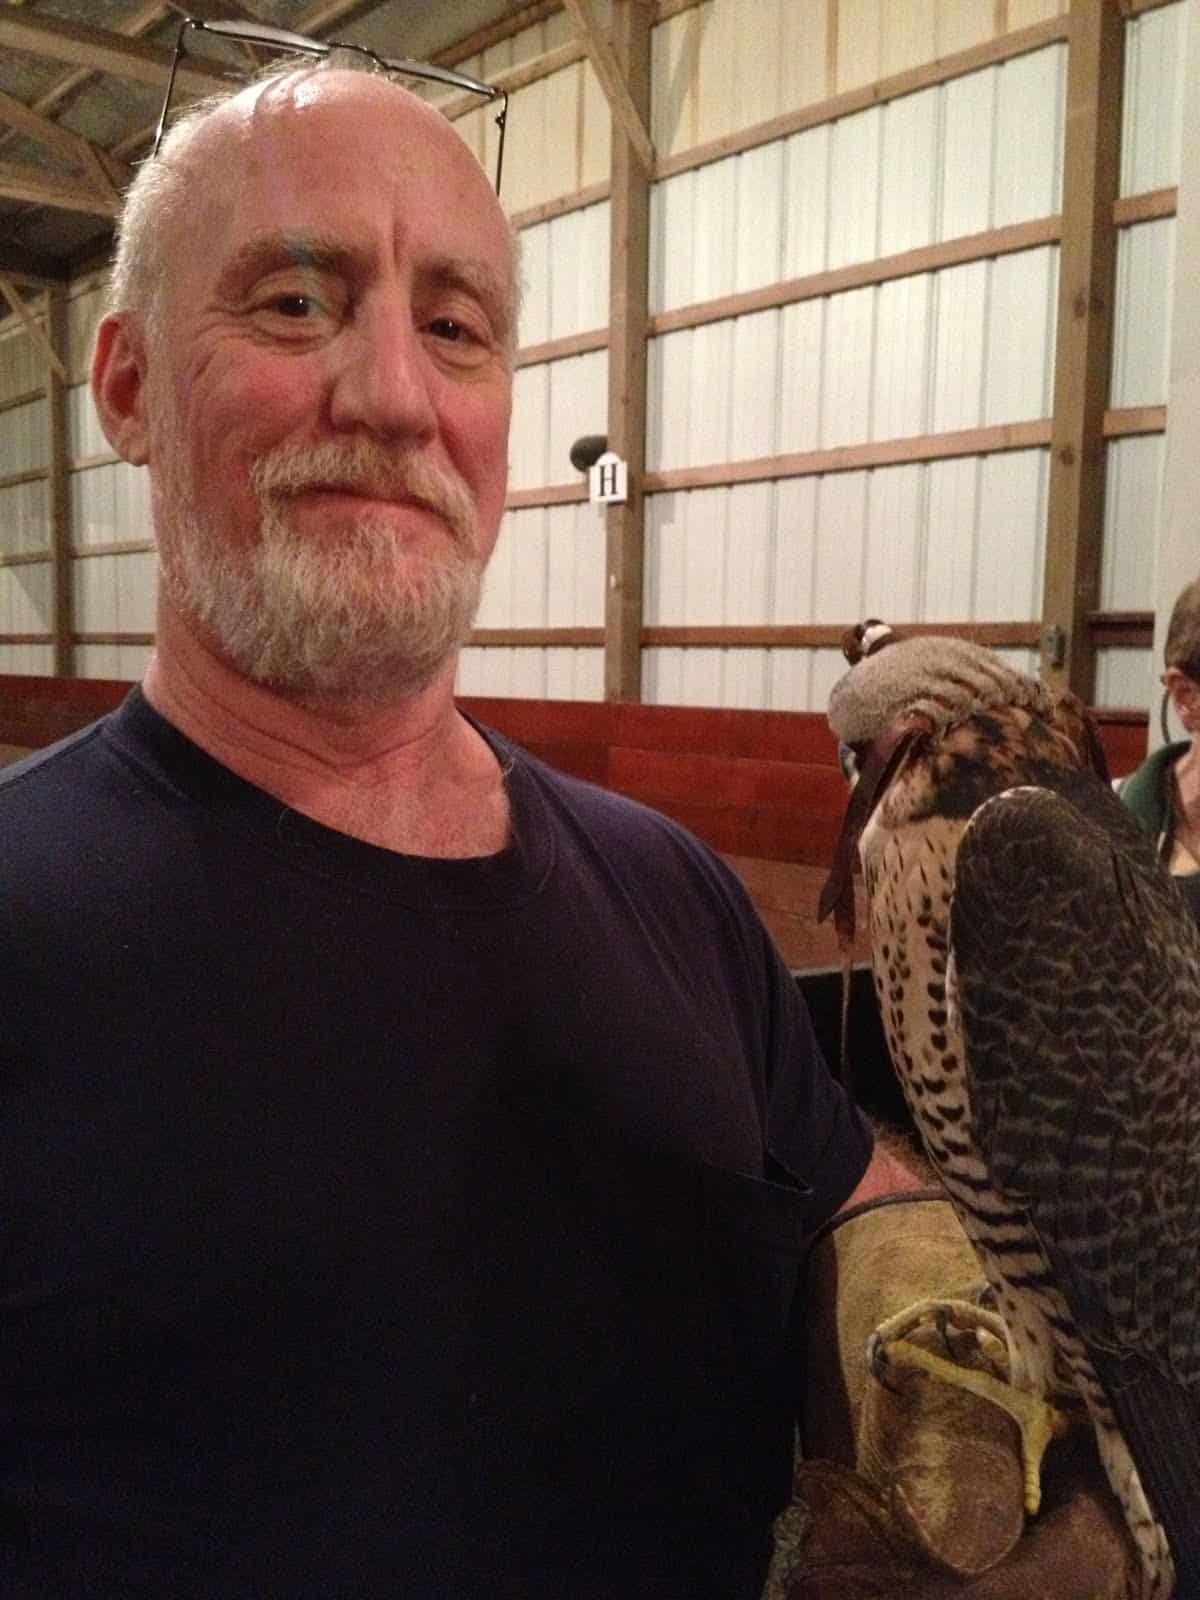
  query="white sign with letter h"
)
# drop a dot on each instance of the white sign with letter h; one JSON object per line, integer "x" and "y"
{"x": 608, "y": 479}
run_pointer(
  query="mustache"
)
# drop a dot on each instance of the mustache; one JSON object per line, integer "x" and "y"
{"x": 363, "y": 466}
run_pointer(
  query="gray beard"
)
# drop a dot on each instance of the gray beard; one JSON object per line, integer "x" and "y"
{"x": 358, "y": 616}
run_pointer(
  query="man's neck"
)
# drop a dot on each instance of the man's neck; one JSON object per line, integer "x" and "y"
{"x": 412, "y": 776}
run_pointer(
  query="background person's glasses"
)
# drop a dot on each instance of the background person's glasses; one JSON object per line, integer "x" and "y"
{"x": 255, "y": 33}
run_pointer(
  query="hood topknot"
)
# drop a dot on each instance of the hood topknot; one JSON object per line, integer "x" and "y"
{"x": 945, "y": 679}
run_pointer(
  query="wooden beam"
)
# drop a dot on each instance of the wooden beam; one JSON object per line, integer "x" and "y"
{"x": 572, "y": 344}
{"x": 988, "y": 440}
{"x": 138, "y": 22}
{"x": 547, "y": 210}
{"x": 518, "y": 77}
{"x": 1122, "y": 630}
{"x": 112, "y": 547}
{"x": 48, "y": 189}
{"x": 540, "y": 638}
{"x": 829, "y": 635}
{"x": 629, "y": 276}
{"x": 61, "y": 537}
{"x": 555, "y": 494}
{"x": 626, "y": 113}
{"x": 78, "y": 151}
{"x": 1087, "y": 289}
{"x": 1131, "y": 420}
{"x": 99, "y": 50}
{"x": 1147, "y": 207}
{"x": 25, "y": 558}
{"x": 113, "y": 638}
{"x": 33, "y": 327}
{"x": 26, "y": 397}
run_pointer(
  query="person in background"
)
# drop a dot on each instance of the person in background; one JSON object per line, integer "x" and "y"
{"x": 1164, "y": 792}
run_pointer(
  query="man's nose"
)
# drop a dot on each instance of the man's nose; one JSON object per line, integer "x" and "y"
{"x": 383, "y": 376}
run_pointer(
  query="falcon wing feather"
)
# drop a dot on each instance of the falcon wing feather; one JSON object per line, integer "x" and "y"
{"x": 1077, "y": 976}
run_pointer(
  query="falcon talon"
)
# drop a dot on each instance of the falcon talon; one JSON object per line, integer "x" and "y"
{"x": 943, "y": 1323}
{"x": 878, "y": 1361}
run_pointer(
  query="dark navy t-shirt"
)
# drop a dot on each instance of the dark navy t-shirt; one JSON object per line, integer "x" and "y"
{"x": 376, "y": 1226}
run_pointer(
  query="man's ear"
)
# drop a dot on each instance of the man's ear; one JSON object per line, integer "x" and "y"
{"x": 119, "y": 386}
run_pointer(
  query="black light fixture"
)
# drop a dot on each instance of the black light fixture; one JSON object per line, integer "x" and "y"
{"x": 587, "y": 451}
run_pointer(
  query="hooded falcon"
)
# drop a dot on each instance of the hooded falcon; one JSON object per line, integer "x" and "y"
{"x": 1038, "y": 976}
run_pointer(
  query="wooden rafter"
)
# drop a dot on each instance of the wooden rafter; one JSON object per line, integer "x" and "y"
{"x": 70, "y": 146}
{"x": 36, "y": 332}
{"x": 31, "y": 184}
{"x": 131, "y": 26}
{"x": 99, "y": 50}
{"x": 621, "y": 103}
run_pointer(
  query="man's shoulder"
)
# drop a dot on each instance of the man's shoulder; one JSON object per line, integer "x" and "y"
{"x": 62, "y": 765}
{"x": 53, "y": 826}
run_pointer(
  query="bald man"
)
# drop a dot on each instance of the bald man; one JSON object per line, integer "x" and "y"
{"x": 408, "y": 1151}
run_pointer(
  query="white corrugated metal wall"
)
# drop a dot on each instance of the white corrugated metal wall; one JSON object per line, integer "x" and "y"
{"x": 867, "y": 366}
{"x": 965, "y": 347}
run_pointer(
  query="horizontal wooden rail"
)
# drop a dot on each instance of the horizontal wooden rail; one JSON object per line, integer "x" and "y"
{"x": 15, "y": 401}
{"x": 829, "y": 635}
{"x": 1149, "y": 206}
{"x": 1121, "y": 630}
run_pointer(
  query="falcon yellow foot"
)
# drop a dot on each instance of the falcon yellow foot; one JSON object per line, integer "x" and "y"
{"x": 968, "y": 1332}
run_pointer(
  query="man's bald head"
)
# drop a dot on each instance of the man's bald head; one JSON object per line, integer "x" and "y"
{"x": 160, "y": 205}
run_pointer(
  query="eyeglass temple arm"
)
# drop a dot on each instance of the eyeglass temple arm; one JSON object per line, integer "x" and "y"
{"x": 501, "y": 123}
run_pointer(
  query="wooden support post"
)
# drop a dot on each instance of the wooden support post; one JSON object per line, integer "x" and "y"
{"x": 1083, "y": 360}
{"x": 625, "y": 113}
{"x": 62, "y": 621}
{"x": 629, "y": 253}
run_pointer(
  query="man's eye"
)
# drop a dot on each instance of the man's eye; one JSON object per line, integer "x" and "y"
{"x": 459, "y": 342}
{"x": 296, "y": 306}
{"x": 453, "y": 330}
